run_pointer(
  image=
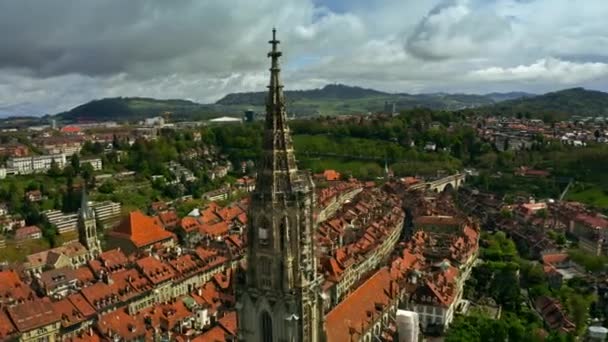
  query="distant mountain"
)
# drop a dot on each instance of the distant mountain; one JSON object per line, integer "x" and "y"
{"x": 499, "y": 97}
{"x": 559, "y": 105}
{"x": 342, "y": 99}
{"x": 330, "y": 91}
{"x": 136, "y": 108}
{"x": 336, "y": 99}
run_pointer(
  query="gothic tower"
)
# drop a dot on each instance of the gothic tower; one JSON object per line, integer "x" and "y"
{"x": 278, "y": 299}
{"x": 87, "y": 227}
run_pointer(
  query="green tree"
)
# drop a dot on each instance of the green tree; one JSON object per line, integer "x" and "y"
{"x": 107, "y": 187}
{"x": 87, "y": 173}
{"x": 54, "y": 170}
{"x": 75, "y": 162}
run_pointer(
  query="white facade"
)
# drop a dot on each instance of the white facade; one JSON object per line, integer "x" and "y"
{"x": 435, "y": 314}
{"x": 25, "y": 165}
{"x": 64, "y": 222}
{"x": 107, "y": 211}
{"x": 95, "y": 163}
{"x": 408, "y": 326}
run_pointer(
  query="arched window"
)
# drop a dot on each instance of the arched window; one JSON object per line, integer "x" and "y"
{"x": 266, "y": 327}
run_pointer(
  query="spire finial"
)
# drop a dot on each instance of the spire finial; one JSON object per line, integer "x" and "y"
{"x": 274, "y": 42}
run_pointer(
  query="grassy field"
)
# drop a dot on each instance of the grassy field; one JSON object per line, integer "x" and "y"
{"x": 355, "y": 168}
{"x": 17, "y": 252}
{"x": 593, "y": 196}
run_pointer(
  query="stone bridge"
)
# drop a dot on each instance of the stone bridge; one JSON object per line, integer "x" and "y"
{"x": 451, "y": 182}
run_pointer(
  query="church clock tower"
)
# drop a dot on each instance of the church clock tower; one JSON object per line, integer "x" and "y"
{"x": 278, "y": 295}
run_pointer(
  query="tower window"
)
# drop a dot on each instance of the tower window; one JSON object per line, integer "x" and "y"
{"x": 266, "y": 327}
{"x": 263, "y": 236}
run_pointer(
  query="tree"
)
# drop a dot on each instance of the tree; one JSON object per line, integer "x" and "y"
{"x": 87, "y": 173}
{"x": 54, "y": 170}
{"x": 75, "y": 162}
{"x": 107, "y": 187}
{"x": 69, "y": 172}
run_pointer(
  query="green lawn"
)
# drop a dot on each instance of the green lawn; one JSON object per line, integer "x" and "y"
{"x": 594, "y": 196}
{"x": 358, "y": 169}
{"x": 17, "y": 252}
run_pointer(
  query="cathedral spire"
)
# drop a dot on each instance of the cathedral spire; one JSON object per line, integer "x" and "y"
{"x": 278, "y": 168}
{"x": 278, "y": 297}
{"x": 87, "y": 226}
{"x": 85, "y": 210}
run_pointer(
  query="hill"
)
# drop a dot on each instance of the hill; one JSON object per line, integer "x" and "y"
{"x": 499, "y": 97}
{"x": 556, "y": 105}
{"x": 330, "y": 91}
{"x": 342, "y": 99}
{"x": 333, "y": 99}
{"x": 138, "y": 108}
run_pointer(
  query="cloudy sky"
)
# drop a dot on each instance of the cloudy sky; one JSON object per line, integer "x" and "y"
{"x": 57, "y": 54}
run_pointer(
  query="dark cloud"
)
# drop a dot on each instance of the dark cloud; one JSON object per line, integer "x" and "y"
{"x": 58, "y": 54}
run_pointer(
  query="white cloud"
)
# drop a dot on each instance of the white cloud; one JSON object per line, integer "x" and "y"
{"x": 58, "y": 54}
{"x": 456, "y": 28}
{"x": 545, "y": 70}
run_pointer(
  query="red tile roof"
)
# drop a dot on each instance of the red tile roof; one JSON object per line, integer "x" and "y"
{"x": 216, "y": 229}
{"x": 126, "y": 326}
{"x": 190, "y": 224}
{"x": 81, "y": 304}
{"x": 216, "y": 334}
{"x": 12, "y": 288}
{"x": 169, "y": 219}
{"x": 141, "y": 230}
{"x": 32, "y": 315}
{"x": 99, "y": 295}
{"x": 26, "y": 232}
{"x": 229, "y": 323}
{"x": 113, "y": 259}
{"x": 70, "y": 129}
{"x": 155, "y": 270}
{"x": 554, "y": 258}
{"x": 84, "y": 275}
{"x": 6, "y": 326}
{"x": 331, "y": 175}
{"x": 69, "y": 314}
{"x": 345, "y": 323}
{"x": 592, "y": 221}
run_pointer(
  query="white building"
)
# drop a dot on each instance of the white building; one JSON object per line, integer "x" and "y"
{"x": 225, "y": 120}
{"x": 95, "y": 163}
{"x": 26, "y": 165}
{"x": 64, "y": 222}
{"x": 155, "y": 121}
{"x": 408, "y": 326}
{"x": 107, "y": 212}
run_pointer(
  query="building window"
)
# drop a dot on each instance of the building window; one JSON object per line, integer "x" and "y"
{"x": 266, "y": 327}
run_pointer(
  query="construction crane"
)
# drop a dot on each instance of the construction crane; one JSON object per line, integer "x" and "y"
{"x": 561, "y": 197}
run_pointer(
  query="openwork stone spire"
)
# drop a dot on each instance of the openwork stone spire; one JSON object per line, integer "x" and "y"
{"x": 278, "y": 293}
{"x": 278, "y": 168}
{"x": 85, "y": 211}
